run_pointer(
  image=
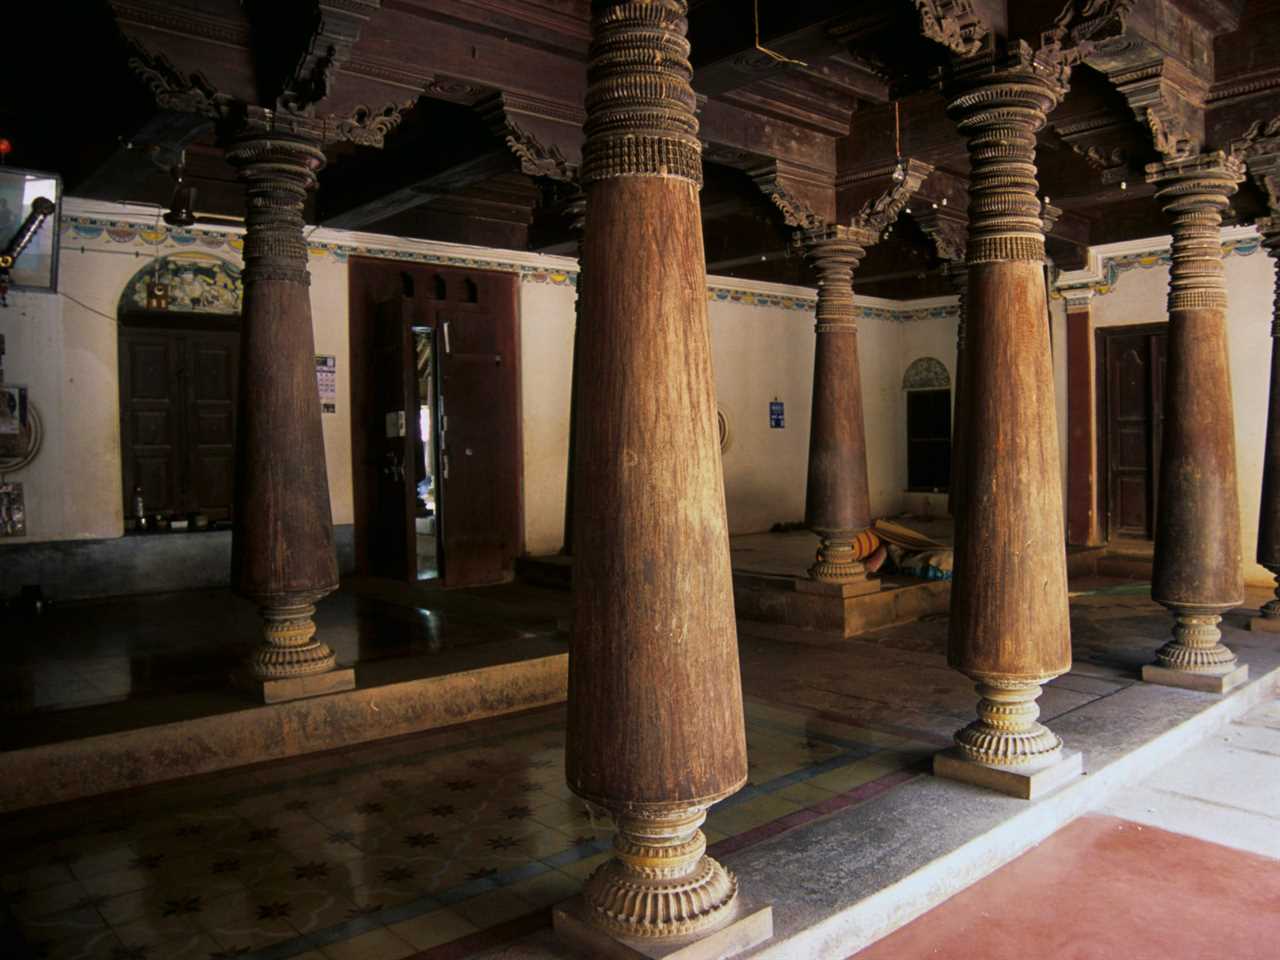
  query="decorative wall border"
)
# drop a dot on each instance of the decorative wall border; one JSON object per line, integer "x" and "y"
{"x": 1107, "y": 263}
{"x": 84, "y": 228}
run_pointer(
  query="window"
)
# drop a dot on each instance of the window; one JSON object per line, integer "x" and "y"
{"x": 928, "y": 388}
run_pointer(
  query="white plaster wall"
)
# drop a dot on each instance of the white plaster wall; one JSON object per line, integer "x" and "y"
{"x": 1139, "y": 297}
{"x": 546, "y": 357}
{"x": 761, "y": 354}
{"x": 65, "y": 348}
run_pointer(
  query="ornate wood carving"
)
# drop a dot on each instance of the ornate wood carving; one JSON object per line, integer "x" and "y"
{"x": 882, "y": 211}
{"x": 336, "y": 29}
{"x": 640, "y": 101}
{"x": 1197, "y": 571}
{"x": 1009, "y": 623}
{"x": 173, "y": 89}
{"x": 544, "y": 135}
{"x": 953, "y": 23}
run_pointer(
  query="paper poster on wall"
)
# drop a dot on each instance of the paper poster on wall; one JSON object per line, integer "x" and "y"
{"x": 776, "y": 420}
{"x": 327, "y": 381}
{"x": 13, "y": 514}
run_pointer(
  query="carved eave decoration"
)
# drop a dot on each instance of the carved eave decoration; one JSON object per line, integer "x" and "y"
{"x": 947, "y": 228}
{"x": 545, "y": 136}
{"x": 786, "y": 194}
{"x": 878, "y": 213}
{"x": 173, "y": 89}
{"x": 952, "y": 23}
{"x": 1259, "y": 148}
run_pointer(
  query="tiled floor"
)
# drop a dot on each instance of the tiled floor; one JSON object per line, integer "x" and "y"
{"x": 442, "y": 842}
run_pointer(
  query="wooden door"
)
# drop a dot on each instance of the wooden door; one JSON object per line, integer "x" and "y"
{"x": 481, "y": 521}
{"x": 151, "y": 418}
{"x": 210, "y": 381}
{"x": 392, "y": 431}
{"x": 178, "y": 392}
{"x": 1131, "y": 410}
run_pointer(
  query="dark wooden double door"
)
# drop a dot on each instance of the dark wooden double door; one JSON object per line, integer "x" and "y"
{"x": 1131, "y": 381}
{"x": 466, "y": 320}
{"x": 178, "y": 416}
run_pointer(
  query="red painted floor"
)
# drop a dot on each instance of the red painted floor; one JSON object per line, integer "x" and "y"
{"x": 1106, "y": 889}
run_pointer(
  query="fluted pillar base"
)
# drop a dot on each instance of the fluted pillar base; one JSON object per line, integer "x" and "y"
{"x": 1007, "y": 749}
{"x": 291, "y": 663}
{"x": 1268, "y": 619}
{"x": 839, "y": 560}
{"x": 662, "y": 896}
{"x": 1196, "y": 658}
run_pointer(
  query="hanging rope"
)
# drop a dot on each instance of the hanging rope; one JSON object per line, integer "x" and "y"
{"x": 772, "y": 54}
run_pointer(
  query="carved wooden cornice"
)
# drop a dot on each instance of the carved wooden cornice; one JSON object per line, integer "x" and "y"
{"x": 947, "y": 228}
{"x": 806, "y": 203}
{"x": 952, "y": 23}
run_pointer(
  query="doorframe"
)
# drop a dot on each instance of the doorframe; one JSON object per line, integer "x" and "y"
{"x": 1103, "y": 414}
{"x": 371, "y": 280}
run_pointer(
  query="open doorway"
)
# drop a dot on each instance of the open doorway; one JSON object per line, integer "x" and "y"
{"x": 424, "y": 458}
{"x": 435, "y": 422}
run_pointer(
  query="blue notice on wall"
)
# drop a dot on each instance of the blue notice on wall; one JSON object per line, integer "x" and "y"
{"x": 775, "y": 415}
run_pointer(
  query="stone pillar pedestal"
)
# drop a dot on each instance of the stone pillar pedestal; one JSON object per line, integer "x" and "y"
{"x": 837, "y": 503}
{"x": 1198, "y": 571}
{"x": 283, "y": 556}
{"x": 1269, "y": 515}
{"x": 1009, "y": 624}
{"x": 655, "y": 723}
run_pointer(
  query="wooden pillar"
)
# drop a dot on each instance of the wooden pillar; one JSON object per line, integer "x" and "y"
{"x": 1009, "y": 626}
{"x": 1083, "y": 527}
{"x": 283, "y": 556}
{"x": 957, "y": 273}
{"x": 576, "y": 211}
{"x": 655, "y": 722}
{"x": 837, "y": 502}
{"x": 1198, "y": 572}
{"x": 1269, "y": 515}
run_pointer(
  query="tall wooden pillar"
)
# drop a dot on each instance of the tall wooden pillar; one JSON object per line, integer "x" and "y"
{"x": 1269, "y": 515}
{"x": 1198, "y": 572}
{"x": 283, "y": 556}
{"x": 837, "y": 502}
{"x": 576, "y": 211}
{"x": 655, "y": 722}
{"x": 1009, "y": 625}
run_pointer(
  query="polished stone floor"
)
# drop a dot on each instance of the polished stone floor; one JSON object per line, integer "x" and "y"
{"x": 129, "y": 662}
{"x": 444, "y": 842}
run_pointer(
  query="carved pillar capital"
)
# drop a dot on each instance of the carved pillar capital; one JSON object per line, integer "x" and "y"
{"x": 1194, "y": 191}
{"x": 278, "y": 169}
{"x": 640, "y": 101}
{"x": 999, "y": 108}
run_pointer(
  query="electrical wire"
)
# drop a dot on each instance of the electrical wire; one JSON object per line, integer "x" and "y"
{"x": 772, "y": 54}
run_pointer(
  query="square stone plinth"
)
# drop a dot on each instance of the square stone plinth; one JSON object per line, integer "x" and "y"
{"x": 854, "y": 588}
{"x": 748, "y": 925}
{"x": 297, "y": 688}
{"x": 1026, "y": 781}
{"x": 1265, "y": 624}
{"x": 1204, "y": 682}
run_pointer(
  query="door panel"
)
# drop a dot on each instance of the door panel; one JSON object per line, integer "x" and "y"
{"x": 1133, "y": 365}
{"x": 151, "y": 417}
{"x": 480, "y": 515}
{"x": 392, "y": 430}
{"x": 213, "y": 360}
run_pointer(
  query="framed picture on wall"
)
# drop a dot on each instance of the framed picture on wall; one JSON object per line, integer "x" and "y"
{"x": 37, "y": 267}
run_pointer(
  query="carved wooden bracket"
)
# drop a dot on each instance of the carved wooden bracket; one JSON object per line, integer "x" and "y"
{"x": 545, "y": 135}
{"x": 1259, "y": 148}
{"x": 335, "y": 30}
{"x": 881, "y": 211}
{"x": 946, "y": 227}
{"x": 807, "y": 202}
{"x": 173, "y": 89}
{"x": 952, "y": 23}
